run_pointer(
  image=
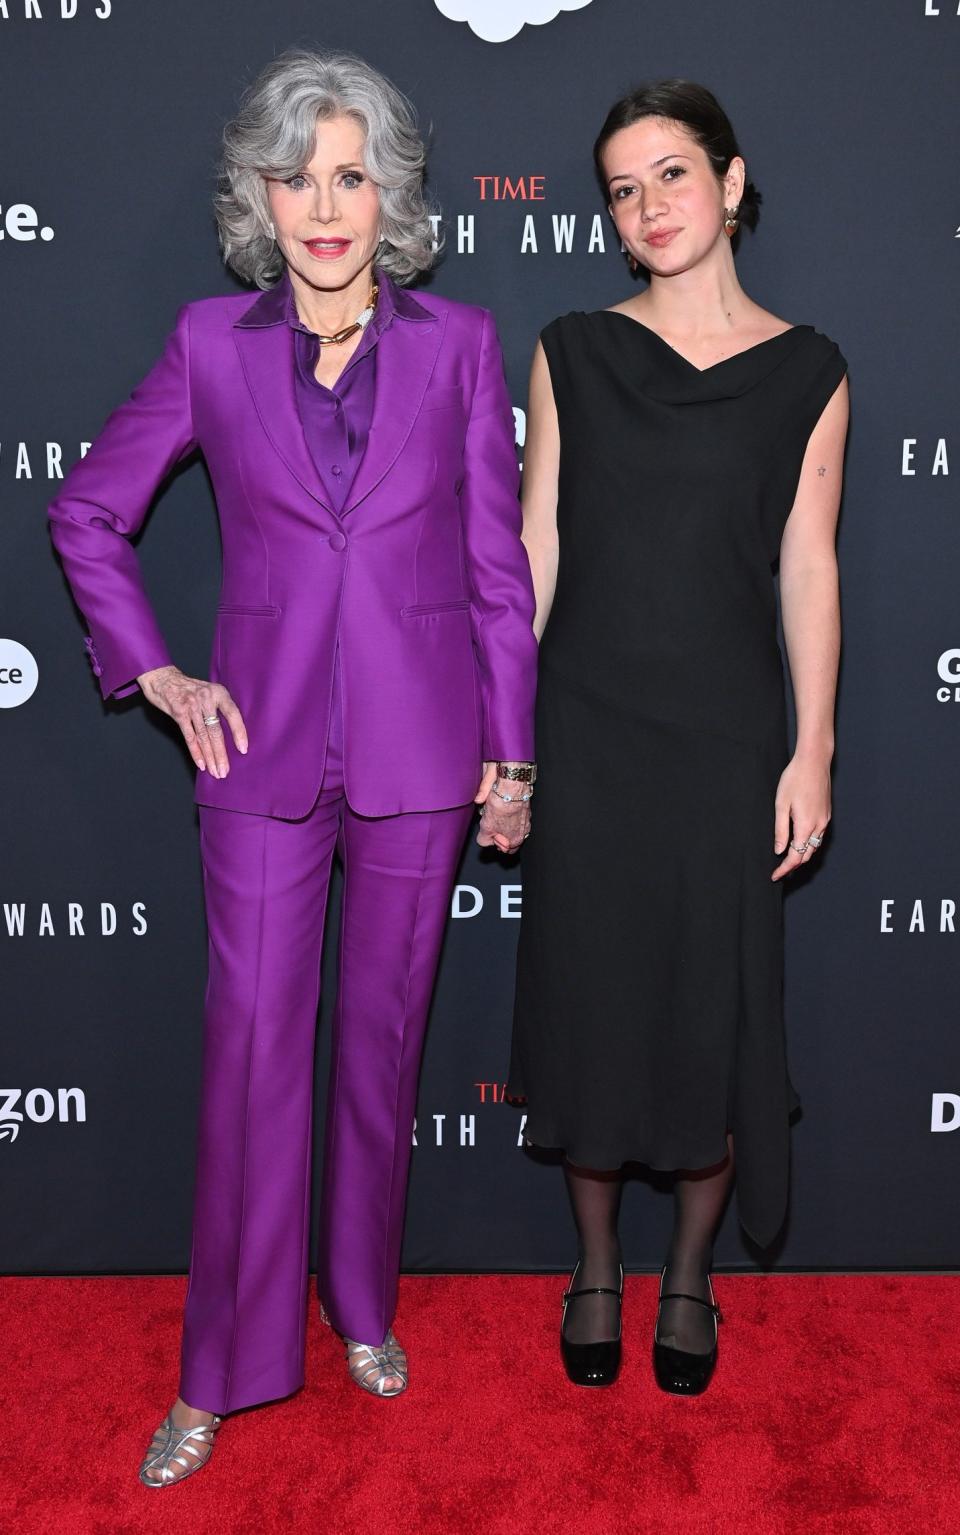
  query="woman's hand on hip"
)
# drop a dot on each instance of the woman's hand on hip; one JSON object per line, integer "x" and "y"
{"x": 503, "y": 826}
{"x": 802, "y": 811}
{"x": 196, "y": 707}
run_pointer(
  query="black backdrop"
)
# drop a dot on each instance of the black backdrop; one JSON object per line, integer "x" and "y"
{"x": 109, "y": 125}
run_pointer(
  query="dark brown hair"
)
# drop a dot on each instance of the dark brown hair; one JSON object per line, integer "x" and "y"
{"x": 681, "y": 101}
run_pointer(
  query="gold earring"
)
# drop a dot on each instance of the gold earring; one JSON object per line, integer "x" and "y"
{"x": 731, "y": 221}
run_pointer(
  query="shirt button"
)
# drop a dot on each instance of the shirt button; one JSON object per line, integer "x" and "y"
{"x": 336, "y": 469}
{"x": 337, "y": 542}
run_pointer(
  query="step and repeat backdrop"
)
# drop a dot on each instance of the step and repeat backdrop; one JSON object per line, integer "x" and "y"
{"x": 110, "y": 116}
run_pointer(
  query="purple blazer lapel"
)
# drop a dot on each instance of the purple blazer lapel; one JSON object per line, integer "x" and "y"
{"x": 266, "y": 356}
{"x": 406, "y": 354}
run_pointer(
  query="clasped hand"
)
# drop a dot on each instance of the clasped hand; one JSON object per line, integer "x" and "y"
{"x": 503, "y": 826}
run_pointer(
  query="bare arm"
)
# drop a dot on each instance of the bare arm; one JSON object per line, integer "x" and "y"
{"x": 810, "y": 604}
{"x": 541, "y": 468}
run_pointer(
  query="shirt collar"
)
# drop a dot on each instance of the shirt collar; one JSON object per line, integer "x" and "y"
{"x": 277, "y": 306}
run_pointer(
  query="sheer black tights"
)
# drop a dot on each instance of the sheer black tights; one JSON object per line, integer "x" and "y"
{"x": 700, "y": 1198}
{"x": 699, "y": 1202}
{"x": 595, "y": 1197}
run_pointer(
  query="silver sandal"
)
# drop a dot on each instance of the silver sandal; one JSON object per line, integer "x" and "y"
{"x": 169, "y": 1444}
{"x": 371, "y": 1367}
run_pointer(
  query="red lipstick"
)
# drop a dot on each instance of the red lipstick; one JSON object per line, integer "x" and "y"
{"x": 327, "y": 248}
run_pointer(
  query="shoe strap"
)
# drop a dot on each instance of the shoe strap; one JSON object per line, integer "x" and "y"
{"x": 593, "y": 1290}
{"x": 681, "y": 1295}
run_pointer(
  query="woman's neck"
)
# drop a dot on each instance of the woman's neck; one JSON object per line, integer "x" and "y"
{"x": 704, "y": 301}
{"x": 327, "y": 311}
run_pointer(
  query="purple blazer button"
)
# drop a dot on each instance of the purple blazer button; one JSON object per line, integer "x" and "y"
{"x": 337, "y": 541}
{"x": 92, "y": 656}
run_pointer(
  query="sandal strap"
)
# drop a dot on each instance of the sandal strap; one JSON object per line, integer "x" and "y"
{"x": 176, "y": 1431}
{"x": 363, "y": 1353}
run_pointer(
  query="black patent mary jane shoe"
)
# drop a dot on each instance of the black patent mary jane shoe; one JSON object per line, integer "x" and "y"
{"x": 591, "y": 1364}
{"x": 677, "y": 1371}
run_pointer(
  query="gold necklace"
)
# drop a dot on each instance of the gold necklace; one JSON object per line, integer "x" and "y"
{"x": 350, "y": 330}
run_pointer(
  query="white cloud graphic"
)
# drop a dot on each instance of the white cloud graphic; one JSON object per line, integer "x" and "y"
{"x": 496, "y": 21}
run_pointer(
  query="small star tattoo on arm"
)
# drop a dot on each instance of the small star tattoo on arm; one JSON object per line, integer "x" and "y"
{"x": 822, "y": 470}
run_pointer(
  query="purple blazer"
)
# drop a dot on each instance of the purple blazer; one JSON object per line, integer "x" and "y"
{"x": 422, "y": 580}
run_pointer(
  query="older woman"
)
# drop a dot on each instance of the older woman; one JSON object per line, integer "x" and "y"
{"x": 372, "y": 676}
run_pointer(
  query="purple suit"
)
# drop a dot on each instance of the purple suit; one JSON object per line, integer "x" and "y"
{"x": 378, "y": 656}
{"x": 422, "y": 579}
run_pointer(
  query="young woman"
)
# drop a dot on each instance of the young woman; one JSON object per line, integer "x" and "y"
{"x": 679, "y": 445}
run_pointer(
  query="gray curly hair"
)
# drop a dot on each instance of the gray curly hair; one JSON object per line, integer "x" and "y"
{"x": 274, "y": 133}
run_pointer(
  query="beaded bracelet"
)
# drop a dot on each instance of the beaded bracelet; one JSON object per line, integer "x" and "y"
{"x": 511, "y": 799}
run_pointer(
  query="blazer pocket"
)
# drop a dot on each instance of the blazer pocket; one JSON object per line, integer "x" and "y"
{"x": 249, "y": 610}
{"x": 416, "y": 608}
{"x": 441, "y": 396}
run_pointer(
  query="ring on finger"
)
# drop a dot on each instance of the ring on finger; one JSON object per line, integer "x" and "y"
{"x": 815, "y": 841}
{"x": 210, "y": 720}
{"x": 801, "y": 849}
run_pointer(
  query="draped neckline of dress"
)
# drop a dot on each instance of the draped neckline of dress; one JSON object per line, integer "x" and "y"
{"x": 682, "y": 381}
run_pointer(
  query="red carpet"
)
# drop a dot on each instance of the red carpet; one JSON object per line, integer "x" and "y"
{"x": 835, "y": 1407}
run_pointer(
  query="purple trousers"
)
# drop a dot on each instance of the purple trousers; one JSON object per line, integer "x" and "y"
{"x": 265, "y": 887}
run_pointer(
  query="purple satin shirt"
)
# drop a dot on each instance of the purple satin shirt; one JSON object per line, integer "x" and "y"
{"x": 336, "y": 420}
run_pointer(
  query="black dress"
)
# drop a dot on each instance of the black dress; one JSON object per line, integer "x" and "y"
{"x": 649, "y": 1015}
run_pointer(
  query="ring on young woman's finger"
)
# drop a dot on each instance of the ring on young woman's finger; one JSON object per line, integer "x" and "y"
{"x": 815, "y": 841}
{"x": 801, "y": 849}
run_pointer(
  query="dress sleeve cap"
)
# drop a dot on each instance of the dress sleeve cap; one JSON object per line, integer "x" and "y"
{"x": 558, "y": 339}
{"x": 832, "y": 364}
